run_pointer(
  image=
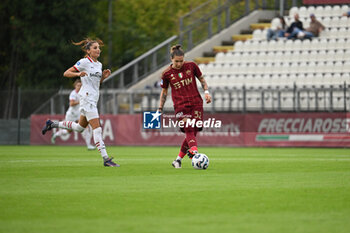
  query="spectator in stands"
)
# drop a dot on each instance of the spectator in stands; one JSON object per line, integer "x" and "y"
{"x": 312, "y": 31}
{"x": 277, "y": 29}
{"x": 292, "y": 29}
{"x": 347, "y": 14}
{"x": 315, "y": 28}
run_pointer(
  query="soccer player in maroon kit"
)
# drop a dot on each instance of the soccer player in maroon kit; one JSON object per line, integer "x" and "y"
{"x": 188, "y": 104}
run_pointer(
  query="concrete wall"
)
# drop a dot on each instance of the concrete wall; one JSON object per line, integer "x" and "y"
{"x": 208, "y": 45}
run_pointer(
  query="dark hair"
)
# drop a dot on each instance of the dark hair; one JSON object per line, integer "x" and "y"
{"x": 87, "y": 42}
{"x": 176, "y": 50}
{"x": 283, "y": 21}
{"x": 76, "y": 82}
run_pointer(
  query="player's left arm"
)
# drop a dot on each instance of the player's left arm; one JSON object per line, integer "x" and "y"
{"x": 105, "y": 74}
{"x": 322, "y": 27}
{"x": 73, "y": 102}
{"x": 204, "y": 84}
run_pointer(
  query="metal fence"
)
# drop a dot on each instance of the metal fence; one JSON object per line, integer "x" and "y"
{"x": 242, "y": 100}
{"x": 245, "y": 99}
{"x": 22, "y": 103}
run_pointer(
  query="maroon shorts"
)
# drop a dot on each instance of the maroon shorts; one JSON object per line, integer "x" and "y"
{"x": 190, "y": 112}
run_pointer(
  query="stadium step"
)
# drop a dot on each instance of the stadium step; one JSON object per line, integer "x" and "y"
{"x": 246, "y": 31}
{"x": 223, "y": 49}
{"x": 204, "y": 60}
{"x": 209, "y": 54}
{"x": 227, "y": 43}
{"x": 264, "y": 20}
{"x": 261, "y": 26}
{"x": 243, "y": 37}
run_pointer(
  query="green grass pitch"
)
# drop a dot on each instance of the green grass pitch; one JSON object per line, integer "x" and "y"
{"x": 273, "y": 190}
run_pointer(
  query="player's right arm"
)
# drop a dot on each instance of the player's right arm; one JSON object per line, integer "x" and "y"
{"x": 78, "y": 70}
{"x": 73, "y": 72}
{"x": 164, "y": 83}
{"x": 162, "y": 99}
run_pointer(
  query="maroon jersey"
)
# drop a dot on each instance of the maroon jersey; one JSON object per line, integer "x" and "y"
{"x": 184, "y": 91}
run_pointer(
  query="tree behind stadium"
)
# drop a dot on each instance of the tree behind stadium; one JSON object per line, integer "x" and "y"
{"x": 36, "y": 36}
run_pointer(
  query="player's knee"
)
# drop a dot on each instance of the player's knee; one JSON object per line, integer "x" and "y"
{"x": 80, "y": 128}
{"x": 97, "y": 131}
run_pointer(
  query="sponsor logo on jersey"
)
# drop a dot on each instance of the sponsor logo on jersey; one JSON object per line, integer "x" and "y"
{"x": 96, "y": 74}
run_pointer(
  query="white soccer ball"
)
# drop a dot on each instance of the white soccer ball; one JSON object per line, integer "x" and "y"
{"x": 200, "y": 161}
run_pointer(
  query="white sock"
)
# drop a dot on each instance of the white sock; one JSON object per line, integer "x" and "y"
{"x": 87, "y": 136}
{"x": 61, "y": 132}
{"x": 70, "y": 125}
{"x": 99, "y": 142}
{"x": 179, "y": 158}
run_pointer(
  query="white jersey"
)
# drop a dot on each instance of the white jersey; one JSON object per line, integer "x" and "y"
{"x": 89, "y": 91}
{"x": 73, "y": 112}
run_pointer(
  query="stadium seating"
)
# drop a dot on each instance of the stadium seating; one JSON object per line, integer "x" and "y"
{"x": 321, "y": 11}
{"x": 259, "y": 63}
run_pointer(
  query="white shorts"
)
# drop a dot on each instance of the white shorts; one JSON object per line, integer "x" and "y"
{"x": 72, "y": 117}
{"x": 88, "y": 110}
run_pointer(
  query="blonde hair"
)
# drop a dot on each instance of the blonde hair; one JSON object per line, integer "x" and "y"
{"x": 176, "y": 50}
{"x": 86, "y": 44}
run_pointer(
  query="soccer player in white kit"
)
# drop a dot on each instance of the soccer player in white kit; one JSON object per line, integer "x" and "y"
{"x": 73, "y": 114}
{"x": 89, "y": 69}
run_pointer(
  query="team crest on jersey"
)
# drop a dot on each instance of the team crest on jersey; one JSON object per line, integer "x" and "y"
{"x": 188, "y": 72}
{"x": 180, "y": 75}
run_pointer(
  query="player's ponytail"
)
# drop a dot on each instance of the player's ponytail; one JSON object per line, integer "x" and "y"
{"x": 176, "y": 50}
{"x": 86, "y": 43}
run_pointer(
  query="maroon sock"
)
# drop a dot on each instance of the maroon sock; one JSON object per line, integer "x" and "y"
{"x": 184, "y": 148}
{"x": 191, "y": 138}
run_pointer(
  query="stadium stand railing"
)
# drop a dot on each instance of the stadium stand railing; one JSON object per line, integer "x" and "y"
{"x": 288, "y": 97}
